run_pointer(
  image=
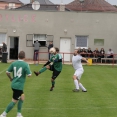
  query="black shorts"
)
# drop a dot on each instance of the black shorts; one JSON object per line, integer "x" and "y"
{"x": 17, "y": 94}
{"x": 55, "y": 72}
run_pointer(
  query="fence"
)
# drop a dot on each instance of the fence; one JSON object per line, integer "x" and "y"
{"x": 96, "y": 58}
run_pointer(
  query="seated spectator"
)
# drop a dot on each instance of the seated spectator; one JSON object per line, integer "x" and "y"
{"x": 79, "y": 49}
{"x": 101, "y": 55}
{"x": 96, "y": 53}
{"x": 110, "y": 53}
{"x": 102, "y": 52}
{"x": 90, "y": 53}
{"x": 84, "y": 52}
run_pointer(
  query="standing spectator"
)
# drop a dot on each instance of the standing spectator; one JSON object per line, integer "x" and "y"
{"x": 36, "y": 50}
{"x": 50, "y": 46}
{"x": 4, "y": 47}
{"x": 77, "y": 65}
{"x": 20, "y": 69}
{"x": 110, "y": 53}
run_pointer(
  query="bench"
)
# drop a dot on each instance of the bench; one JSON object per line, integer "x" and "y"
{"x": 93, "y": 59}
{"x": 105, "y": 59}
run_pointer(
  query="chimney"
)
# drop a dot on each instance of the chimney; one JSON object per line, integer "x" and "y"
{"x": 31, "y": 1}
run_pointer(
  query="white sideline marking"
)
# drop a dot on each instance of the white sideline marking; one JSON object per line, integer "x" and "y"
{"x": 3, "y": 71}
{"x": 65, "y": 108}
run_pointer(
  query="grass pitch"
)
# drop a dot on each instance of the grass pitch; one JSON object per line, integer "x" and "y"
{"x": 99, "y": 101}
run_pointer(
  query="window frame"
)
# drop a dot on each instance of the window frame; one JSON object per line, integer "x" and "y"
{"x": 76, "y": 41}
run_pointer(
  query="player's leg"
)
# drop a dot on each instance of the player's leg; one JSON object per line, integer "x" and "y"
{"x": 82, "y": 87}
{"x": 75, "y": 83}
{"x": 54, "y": 76}
{"x": 80, "y": 84}
{"x": 42, "y": 70}
{"x": 19, "y": 105}
{"x": 76, "y": 78}
{"x": 11, "y": 104}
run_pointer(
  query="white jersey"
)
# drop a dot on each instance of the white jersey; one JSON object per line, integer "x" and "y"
{"x": 76, "y": 62}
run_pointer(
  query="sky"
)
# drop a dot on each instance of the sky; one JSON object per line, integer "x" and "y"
{"x": 113, "y": 2}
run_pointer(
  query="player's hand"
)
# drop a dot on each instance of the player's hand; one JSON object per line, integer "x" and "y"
{"x": 11, "y": 79}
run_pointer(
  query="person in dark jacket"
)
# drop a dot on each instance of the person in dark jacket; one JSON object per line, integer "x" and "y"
{"x": 4, "y": 47}
{"x": 36, "y": 50}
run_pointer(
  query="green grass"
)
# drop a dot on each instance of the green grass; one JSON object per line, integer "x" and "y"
{"x": 99, "y": 101}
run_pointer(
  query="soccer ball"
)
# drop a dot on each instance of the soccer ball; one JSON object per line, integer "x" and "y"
{"x": 52, "y": 50}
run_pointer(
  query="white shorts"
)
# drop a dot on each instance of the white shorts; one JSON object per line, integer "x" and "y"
{"x": 79, "y": 73}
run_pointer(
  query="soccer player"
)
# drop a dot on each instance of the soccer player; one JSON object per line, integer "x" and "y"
{"x": 55, "y": 65}
{"x": 77, "y": 65}
{"x": 20, "y": 69}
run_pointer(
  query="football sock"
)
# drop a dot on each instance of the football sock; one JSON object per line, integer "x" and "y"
{"x": 82, "y": 87}
{"x": 53, "y": 83}
{"x": 43, "y": 69}
{"x": 10, "y": 106}
{"x": 19, "y": 106}
{"x": 76, "y": 84}
{"x": 4, "y": 113}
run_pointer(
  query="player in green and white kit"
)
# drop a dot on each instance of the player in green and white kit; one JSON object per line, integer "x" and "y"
{"x": 55, "y": 65}
{"x": 20, "y": 69}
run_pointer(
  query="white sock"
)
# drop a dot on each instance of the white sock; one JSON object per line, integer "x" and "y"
{"x": 82, "y": 87}
{"x": 4, "y": 113}
{"x": 76, "y": 84}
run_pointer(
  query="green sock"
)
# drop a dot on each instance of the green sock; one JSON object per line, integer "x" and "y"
{"x": 10, "y": 106}
{"x": 19, "y": 106}
{"x": 53, "y": 83}
{"x": 43, "y": 69}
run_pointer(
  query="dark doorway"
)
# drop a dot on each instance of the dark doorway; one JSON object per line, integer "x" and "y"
{"x": 14, "y": 44}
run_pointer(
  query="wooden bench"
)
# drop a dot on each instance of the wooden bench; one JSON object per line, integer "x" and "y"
{"x": 105, "y": 59}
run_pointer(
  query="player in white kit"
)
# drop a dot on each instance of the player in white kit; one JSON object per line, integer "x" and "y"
{"x": 77, "y": 65}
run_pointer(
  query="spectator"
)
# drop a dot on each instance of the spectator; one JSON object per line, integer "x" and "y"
{"x": 4, "y": 47}
{"x": 36, "y": 50}
{"x": 102, "y": 52}
{"x": 96, "y": 53}
{"x": 50, "y": 46}
{"x": 84, "y": 52}
{"x": 110, "y": 53}
{"x": 101, "y": 55}
{"x": 90, "y": 53}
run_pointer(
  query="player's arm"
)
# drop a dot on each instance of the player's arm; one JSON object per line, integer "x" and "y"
{"x": 47, "y": 63}
{"x": 9, "y": 76}
{"x": 85, "y": 59}
{"x": 9, "y": 70}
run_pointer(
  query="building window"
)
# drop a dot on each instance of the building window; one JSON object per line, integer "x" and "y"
{"x": 11, "y": 5}
{"x": 99, "y": 42}
{"x": 2, "y": 38}
{"x": 42, "y": 39}
{"x": 81, "y": 41}
{"x": 29, "y": 40}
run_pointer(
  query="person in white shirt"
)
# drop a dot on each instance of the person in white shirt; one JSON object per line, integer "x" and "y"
{"x": 110, "y": 53}
{"x": 77, "y": 65}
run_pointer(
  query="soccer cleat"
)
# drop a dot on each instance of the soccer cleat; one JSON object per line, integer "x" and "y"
{"x": 84, "y": 91}
{"x": 75, "y": 90}
{"x": 51, "y": 89}
{"x": 2, "y": 115}
{"x": 36, "y": 73}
